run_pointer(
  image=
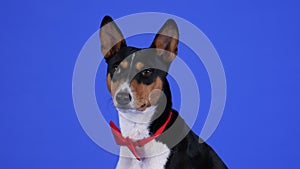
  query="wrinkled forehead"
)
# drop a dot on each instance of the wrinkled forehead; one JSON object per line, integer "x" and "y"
{"x": 135, "y": 59}
{"x": 121, "y": 55}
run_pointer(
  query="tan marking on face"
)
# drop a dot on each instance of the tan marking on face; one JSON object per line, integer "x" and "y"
{"x": 124, "y": 64}
{"x": 139, "y": 66}
{"x": 108, "y": 82}
{"x": 142, "y": 93}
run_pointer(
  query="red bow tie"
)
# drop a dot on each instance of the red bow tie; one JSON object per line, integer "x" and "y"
{"x": 120, "y": 140}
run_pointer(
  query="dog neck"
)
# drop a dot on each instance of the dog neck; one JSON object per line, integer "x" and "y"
{"x": 135, "y": 124}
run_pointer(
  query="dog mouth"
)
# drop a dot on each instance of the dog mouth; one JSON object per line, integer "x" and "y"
{"x": 129, "y": 108}
{"x": 142, "y": 106}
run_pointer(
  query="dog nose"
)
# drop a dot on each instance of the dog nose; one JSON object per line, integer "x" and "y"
{"x": 123, "y": 98}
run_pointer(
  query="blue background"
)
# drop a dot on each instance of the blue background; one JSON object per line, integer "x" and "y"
{"x": 258, "y": 43}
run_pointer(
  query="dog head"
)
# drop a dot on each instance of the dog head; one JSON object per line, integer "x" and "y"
{"x": 136, "y": 78}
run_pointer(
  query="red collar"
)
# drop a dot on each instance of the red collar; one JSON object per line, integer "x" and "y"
{"x": 120, "y": 140}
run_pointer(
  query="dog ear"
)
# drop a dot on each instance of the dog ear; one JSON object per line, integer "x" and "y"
{"x": 166, "y": 41}
{"x": 111, "y": 37}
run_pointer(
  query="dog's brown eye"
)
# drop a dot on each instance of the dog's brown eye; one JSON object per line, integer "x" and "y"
{"x": 147, "y": 73}
{"x": 117, "y": 69}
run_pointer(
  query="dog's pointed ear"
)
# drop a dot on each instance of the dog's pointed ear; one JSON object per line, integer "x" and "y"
{"x": 111, "y": 37}
{"x": 166, "y": 41}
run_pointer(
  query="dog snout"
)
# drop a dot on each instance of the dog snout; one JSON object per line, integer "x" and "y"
{"x": 123, "y": 98}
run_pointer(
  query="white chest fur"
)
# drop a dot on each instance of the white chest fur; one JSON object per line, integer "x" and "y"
{"x": 135, "y": 126}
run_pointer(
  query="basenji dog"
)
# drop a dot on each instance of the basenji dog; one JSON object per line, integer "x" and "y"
{"x": 152, "y": 135}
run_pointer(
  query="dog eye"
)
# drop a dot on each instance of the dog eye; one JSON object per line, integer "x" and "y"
{"x": 147, "y": 73}
{"x": 117, "y": 69}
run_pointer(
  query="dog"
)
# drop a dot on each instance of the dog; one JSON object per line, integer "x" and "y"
{"x": 152, "y": 135}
